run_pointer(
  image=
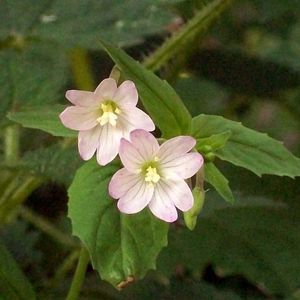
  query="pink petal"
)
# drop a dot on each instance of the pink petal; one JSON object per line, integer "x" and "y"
{"x": 162, "y": 206}
{"x": 175, "y": 147}
{"x": 145, "y": 143}
{"x": 137, "y": 198}
{"x": 135, "y": 118}
{"x": 109, "y": 143}
{"x": 126, "y": 95}
{"x": 184, "y": 167}
{"x": 79, "y": 118}
{"x": 88, "y": 142}
{"x": 82, "y": 98}
{"x": 121, "y": 182}
{"x": 130, "y": 156}
{"x": 106, "y": 89}
{"x": 179, "y": 193}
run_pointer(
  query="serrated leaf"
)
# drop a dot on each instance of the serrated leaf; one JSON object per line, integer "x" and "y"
{"x": 214, "y": 177}
{"x": 73, "y": 23}
{"x": 44, "y": 117}
{"x": 248, "y": 148}
{"x": 30, "y": 76}
{"x": 120, "y": 245}
{"x": 158, "y": 97}
{"x": 13, "y": 282}
{"x": 260, "y": 243}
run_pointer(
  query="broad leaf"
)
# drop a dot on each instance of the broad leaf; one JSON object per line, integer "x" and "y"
{"x": 31, "y": 76}
{"x": 120, "y": 245}
{"x": 260, "y": 243}
{"x": 13, "y": 283}
{"x": 81, "y": 22}
{"x": 44, "y": 117}
{"x": 248, "y": 148}
{"x": 214, "y": 177}
{"x": 158, "y": 97}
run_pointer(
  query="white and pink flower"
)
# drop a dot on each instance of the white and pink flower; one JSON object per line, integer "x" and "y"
{"x": 155, "y": 175}
{"x": 103, "y": 117}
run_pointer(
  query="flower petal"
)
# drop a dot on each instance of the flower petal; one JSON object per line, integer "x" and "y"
{"x": 106, "y": 89}
{"x": 82, "y": 98}
{"x": 135, "y": 118}
{"x": 162, "y": 206}
{"x": 145, "y": 143}
{"x": 121, "y": 182}
{"x": 79, "y": 118}
{"x": 137, "y": 197}
{"x": 179, "y": 193}
{"x": 175, "y": 147}
{"x": 126, "y": 95}
{"x": 130, "y": 157}
{"x": 109, "y": 143}
{"x": 88, "y": 142}
{"x": 184, "y": 167}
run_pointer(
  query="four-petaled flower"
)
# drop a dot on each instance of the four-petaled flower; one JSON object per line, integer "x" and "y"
{"x": 155, "y": 175}
{"x": 103, "y": 117}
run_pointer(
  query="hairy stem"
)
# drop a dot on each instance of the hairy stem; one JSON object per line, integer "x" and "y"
{"x": 79, "y": 275}
{"x": 181, "y": 41}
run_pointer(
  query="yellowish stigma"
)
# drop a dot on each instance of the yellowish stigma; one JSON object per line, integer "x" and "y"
{"x": 151, "y": 175}
{"x": 109, "y": 115}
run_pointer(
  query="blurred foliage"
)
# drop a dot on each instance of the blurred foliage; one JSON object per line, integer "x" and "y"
{"x": 246, "y": 68}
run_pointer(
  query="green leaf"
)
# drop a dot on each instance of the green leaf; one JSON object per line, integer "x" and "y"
{"x": 31, "y": 76}
{"x": 248, "y": 148}
{"x": 260, "y": 243}
{"x": 73, "y": 23}
{"x": 158, "y": 97}
{"x": 55, "y": 163}
{"x": 120, "y": 245}
{"x": 214, "y": 177}
{"x": 12, "y": 280}
{"x": 44, "y": 117}
{"x": 214, "y": 142}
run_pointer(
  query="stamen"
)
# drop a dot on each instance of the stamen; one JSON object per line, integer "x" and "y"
{"x": 151, "y": 175}
{"x": 109, "y": 115}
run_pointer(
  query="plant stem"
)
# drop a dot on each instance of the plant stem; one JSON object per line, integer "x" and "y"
{"x": 79, "y": 275}
{"x": 46, "y": 227}
{"x": 83, "y": 75}
{"x": 181, "y": 41}
{"x": 12, "y": 144}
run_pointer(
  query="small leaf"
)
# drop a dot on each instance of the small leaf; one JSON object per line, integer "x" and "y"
{"x": 121, "y": 246}
{"x": 248, "y": 148}
{"x": 214, "y": 142}
{"x": 12, "y": 280}
{"x": 158, "y": 97}
{"x": 44, "y": 117}
{"x": 214, "y": 177}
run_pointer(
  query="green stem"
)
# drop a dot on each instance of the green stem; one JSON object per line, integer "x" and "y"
{"x": 12, "y": 144}
{"x": 79, "y": 275}
{"x": 47, "y": 227}
{"x": 81, "y": 69}
{"x": 180, "y": 42}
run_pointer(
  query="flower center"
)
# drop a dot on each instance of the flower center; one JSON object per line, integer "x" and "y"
{"x": 151, "y": 175}
{"x": 109, "y": 113}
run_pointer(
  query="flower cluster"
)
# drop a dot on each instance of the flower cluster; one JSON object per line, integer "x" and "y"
{"x": 109, "y": 123}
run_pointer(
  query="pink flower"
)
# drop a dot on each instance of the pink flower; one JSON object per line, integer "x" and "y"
{"x": 154, "y": 175}
{"x": 103, "y": 117}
